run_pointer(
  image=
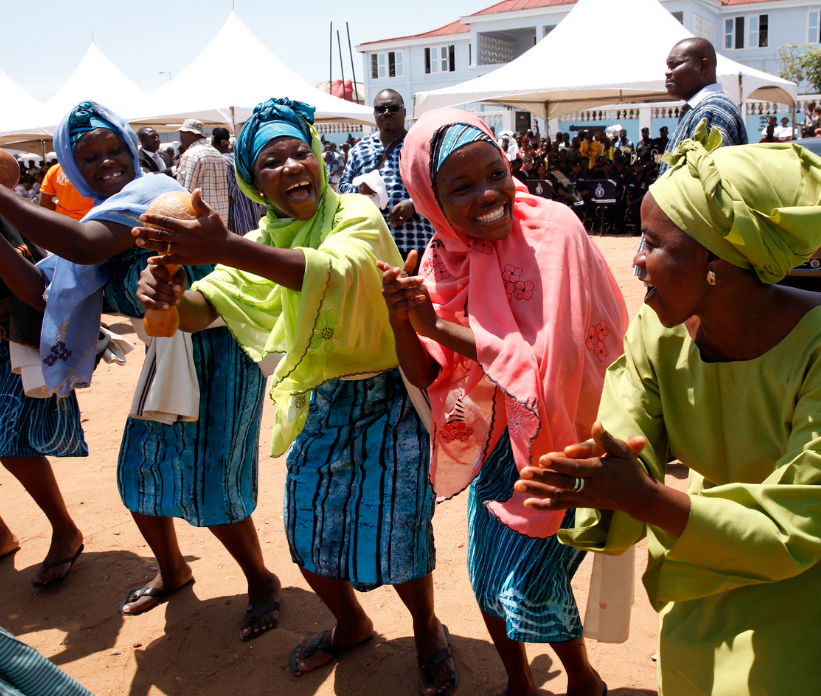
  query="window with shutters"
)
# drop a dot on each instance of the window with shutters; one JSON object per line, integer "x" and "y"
{"x": 440, "y": 59}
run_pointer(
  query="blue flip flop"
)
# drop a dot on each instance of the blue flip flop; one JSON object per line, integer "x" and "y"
{"x": 430, "y": 665}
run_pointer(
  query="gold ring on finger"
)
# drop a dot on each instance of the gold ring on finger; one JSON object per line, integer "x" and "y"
{"x": 168, "y": 248}
{"x": 578, "y": 485}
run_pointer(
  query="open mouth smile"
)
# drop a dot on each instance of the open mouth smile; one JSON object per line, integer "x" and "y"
{"x": 111, "y": 175}
{"x": 494, "y": 215}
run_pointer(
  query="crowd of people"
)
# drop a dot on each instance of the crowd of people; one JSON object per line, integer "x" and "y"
{"x": 520, "y": 381}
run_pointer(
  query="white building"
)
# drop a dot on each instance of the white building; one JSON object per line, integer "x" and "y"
{"x": 747, "y": 31}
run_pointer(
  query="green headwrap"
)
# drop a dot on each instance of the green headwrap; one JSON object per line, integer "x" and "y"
{"x": 755, "y": 206}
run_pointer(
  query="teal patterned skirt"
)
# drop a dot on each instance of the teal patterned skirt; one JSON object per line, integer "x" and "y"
{"x": 520, "y": 579}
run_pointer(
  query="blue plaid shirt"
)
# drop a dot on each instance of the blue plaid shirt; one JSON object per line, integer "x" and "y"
{"x": 417, "y": 231}
{"x": 720, "y": 111}
{"x": 243, "y": 213}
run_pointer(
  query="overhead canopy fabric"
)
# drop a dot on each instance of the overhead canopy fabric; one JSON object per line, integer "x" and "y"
{"x": 20, "y": 110}
{"x": 217, "y": 91}
{"x": 555, "y": 78}
{"x": 96, "y": 77}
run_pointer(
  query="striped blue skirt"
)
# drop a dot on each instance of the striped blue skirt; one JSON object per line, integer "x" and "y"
{"x": 35, "y": 427}
{"x": 523, "y": 580}
{"x": 358, "y": 506}
{"x": 25, "y": 672}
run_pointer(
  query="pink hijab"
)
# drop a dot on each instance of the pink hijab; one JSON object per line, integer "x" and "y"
{"x": 548, "y": 319}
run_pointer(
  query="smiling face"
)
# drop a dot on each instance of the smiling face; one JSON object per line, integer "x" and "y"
{"x": 290, "y": 177}
{"x": 104, "y": 161}
{"x": 476, "y": 191}
{"x": 672, "y": 265}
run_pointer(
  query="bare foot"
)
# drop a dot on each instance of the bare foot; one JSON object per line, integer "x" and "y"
{"x": 263, "y": 609}
{"x": 145, "y": 601}
{"x": 63, "y": 545}
{"x": 314, "y": 652}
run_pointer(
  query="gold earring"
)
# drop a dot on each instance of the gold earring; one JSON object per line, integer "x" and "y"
{"x": 712, "y": 278}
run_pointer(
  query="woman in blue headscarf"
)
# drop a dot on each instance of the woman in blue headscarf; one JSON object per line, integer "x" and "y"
{"x": 305, "y": 286}
{"x": 164, "y": 471}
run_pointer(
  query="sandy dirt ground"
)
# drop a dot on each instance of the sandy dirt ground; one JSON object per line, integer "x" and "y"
{"x": 191, "y": 644}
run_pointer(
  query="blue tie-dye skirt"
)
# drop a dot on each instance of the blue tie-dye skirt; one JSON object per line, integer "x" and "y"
{"x": 358, "y": 505}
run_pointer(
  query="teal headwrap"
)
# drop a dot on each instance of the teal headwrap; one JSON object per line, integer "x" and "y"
{"x": 272, "y": 119}
{"x": 84, "y": 118}
{"x": 449, "y": 139}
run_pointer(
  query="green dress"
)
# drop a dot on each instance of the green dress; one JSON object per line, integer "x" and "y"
{"x": 739, "y": 592}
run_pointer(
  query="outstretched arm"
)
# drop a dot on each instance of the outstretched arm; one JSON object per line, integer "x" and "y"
{"x": 80, "y": 242}
{"x": 206, "y": 240}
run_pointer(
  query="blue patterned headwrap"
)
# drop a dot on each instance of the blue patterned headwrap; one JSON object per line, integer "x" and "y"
{"x": 82, "y": 119}
{"x": 272, "y": 119}
{"x": 449, "y": 139}
{"x": 83, "y": 115}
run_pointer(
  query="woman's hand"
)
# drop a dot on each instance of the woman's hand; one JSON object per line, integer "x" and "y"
{"x": 606, "y": 469}
{"x": 157, "y": 289}
{"x": 406, "y": 296}
{"x": 604, "y": 475}
{"x": 185, "y": 242}
{"x": 401, "y": 212}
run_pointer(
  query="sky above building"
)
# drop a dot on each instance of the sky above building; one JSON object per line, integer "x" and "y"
{"x": 43, "y": 43}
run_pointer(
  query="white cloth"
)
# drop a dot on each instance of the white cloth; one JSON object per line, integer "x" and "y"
{"x": 168, "y": 390}
{"x": 374, "y": 181}
{"x": 610, "y": 601}
{"x": 25, "y": 361}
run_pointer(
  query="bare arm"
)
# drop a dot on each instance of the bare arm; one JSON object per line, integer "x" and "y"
{"x": 411, "y": 314}
{"x": 206, "y": 240}
{"x": 23, "y": 278}
{"x": 47, "y": 201}
{"x": 80, "y": 242}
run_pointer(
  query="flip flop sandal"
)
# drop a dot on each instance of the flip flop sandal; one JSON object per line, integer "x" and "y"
{"x": 319, "y": 642}
{"x": 430, "y": 665}
{"x": 48, "y": 565}
{"x": 254, "y": 614}
{"x": 157, "y": 593}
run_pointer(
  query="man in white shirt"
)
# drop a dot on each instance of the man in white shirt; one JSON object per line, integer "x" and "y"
{"x": 203, "y": 167}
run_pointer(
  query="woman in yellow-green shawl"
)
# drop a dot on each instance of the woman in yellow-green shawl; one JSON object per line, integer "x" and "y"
{"x": 305, "y": 288}
{"x": 724, "y": 367}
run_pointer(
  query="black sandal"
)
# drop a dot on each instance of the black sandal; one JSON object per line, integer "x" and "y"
{"x": 48, "y": 565}
{"x": 157, "y": 593}
{"x": 321, "y": 642}
{"x": 254, "y": 614}
{"x": 430, "y": 665}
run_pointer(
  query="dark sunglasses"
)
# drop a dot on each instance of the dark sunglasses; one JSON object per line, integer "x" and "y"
{"x": 385, "y": 108}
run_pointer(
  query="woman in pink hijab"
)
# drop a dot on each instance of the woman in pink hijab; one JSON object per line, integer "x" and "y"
{"x": 510, "y": 327}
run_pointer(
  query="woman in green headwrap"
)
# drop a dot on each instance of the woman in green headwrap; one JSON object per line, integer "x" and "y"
{"x": 305, "y": 288}
{"x": 723, "y": 367}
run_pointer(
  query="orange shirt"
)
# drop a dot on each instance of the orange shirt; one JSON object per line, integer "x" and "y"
{"x": 69, "y": 201}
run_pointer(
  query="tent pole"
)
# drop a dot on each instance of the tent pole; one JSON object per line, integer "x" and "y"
{"x": 740, "y": 91}
{"x": 547, "y": 119}
{"x": 233, "y": 121}
{"x": 331, "y": 60}
{"x": 342, "y": 66}
{"x": 353, "y": 69}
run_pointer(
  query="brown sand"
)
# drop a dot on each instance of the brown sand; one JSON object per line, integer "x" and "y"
{"x": 191, "y": 644}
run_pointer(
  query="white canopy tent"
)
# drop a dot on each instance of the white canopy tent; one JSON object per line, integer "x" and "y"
{"x": 218, "y": 91}
{"x": 20, "y": 110}
{"x": 554, "y": 78}
{"x": 95, "y": 78}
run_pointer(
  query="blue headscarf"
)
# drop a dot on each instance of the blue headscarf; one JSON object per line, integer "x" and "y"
{"x": 71, "y": 322}
{"x": 449, "y": 139}
{"x": 272, "y": 119}
{"x": 84, "y": 117}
